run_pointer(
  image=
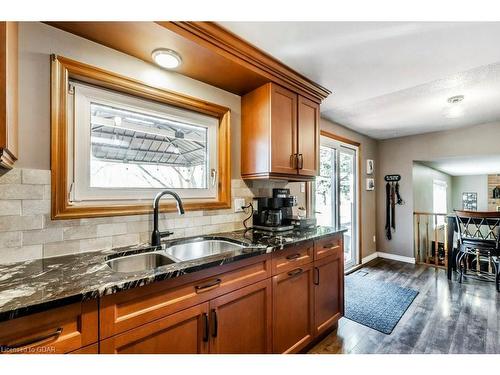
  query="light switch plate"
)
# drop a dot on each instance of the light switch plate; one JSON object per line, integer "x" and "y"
{"x": 238, "y": 203}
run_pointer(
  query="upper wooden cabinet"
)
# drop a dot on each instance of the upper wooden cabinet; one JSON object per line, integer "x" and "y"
{"x": 8, "y": 93}
{"x": 280, "y": 135}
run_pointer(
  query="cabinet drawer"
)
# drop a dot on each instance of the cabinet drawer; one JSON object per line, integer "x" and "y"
{"x": 185, "y": 332}
{"x": 328, "y": 246}
{"x": 60, "y": 330}
{"x": 130, "y": 309}
{"x": 292, "y": 257}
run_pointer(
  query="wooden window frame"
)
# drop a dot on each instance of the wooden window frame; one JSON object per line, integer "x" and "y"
{"x": 64, "y": 69}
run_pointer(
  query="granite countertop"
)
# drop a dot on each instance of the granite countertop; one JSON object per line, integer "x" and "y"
{"x": 41, "y": 284}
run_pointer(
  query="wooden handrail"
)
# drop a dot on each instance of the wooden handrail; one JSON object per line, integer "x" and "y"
{"x": 430, "y": 213}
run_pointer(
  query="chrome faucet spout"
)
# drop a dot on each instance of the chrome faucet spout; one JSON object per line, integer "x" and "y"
{"x": 156, "y": 236}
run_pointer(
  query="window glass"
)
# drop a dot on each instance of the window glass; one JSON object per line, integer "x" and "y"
{"x": 135, "y": 150}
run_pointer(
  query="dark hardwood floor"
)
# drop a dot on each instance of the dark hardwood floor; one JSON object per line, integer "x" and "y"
{"x": 446, "y": 317}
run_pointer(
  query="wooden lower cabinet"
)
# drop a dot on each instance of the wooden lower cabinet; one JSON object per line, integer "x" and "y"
{"x": 60, "y": 330}
{"x": 328, "y": 291}
{"x": 185, "y": 332}
{"x": 242, "y": 308}
{"x": 293, "y": 309}
{"x": 241, "y": 321}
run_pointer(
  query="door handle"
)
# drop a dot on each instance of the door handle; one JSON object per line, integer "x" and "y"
{"x": 316, "y": 276}
{"x": 205, "y": 327}
{"x": 300, "y": 161}
{"x": 215, "y": 323}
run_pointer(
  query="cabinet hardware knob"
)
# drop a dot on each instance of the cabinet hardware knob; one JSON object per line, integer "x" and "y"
{"x": 209, "y": 286}
{"x": 295, "y": 272}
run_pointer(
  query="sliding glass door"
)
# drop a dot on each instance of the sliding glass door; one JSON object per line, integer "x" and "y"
{"x": 336, "y": 194}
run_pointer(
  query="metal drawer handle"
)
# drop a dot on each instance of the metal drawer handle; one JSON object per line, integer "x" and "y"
{"x": 295, "y": 272}
{"x": 205, "y": 288}
{"x": 293, "y": 256}
{"x": 331, "y": 246}
{"x": 36, "y": 340}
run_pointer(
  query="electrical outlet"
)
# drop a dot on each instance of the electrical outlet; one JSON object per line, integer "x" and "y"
{"x": 302, "y": 187}
{"x": 238, "y": 203}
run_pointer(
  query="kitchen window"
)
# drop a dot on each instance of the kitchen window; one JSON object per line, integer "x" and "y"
{"x": 126, "y": 148}
{"x": 116, "y": 142}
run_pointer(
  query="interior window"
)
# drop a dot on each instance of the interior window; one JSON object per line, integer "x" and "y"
{"x": 125, "y": 147}
{"x": 440, "y": 199}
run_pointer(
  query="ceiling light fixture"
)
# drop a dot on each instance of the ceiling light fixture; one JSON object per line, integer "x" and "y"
{"x": 456, "y": 109}
{"x": 166, "y": 58}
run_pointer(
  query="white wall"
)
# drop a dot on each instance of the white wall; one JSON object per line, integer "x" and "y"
{"x": 397, "y": 156}
{"x": 470, "y": 184}
{"x": 423, "y": 195}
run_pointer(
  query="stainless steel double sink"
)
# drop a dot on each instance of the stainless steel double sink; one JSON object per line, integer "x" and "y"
{"x": 178, "y": 251}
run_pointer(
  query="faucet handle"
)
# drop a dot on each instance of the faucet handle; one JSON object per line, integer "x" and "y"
{"x": 166, "y": 234}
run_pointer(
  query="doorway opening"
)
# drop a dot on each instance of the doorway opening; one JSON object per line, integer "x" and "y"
{"x": 337, "y": 193}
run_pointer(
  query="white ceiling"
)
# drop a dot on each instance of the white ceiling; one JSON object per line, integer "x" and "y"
{"x": 462, "y": 166}
{"x": 391, "y": 79}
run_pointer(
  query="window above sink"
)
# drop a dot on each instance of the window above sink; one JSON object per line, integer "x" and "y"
{"x": 116, "y": 142}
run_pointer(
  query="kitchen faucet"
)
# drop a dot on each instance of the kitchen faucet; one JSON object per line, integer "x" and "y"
{"x": 156, "y": 236}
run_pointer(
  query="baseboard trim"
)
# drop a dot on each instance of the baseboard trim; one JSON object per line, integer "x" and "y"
{"x": 396, "y": 257}
{"x": 369, "y": 258}
{"x": 380, "y": 254}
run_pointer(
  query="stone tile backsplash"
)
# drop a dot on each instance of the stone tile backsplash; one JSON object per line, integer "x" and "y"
{"x": 27, "y": 231}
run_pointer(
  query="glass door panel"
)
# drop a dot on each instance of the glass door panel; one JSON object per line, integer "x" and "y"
{"x": 347, "y": 202}
{"x": 336, "y": 193}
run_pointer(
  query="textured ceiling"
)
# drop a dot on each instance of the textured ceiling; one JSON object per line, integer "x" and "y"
{"x": 391, "y": 79}
{"x": 462, "y": 166}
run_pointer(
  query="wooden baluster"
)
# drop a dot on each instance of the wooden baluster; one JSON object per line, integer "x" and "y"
{"x": 427, "y": 240}
{"x": 445, "y": 243}
{"x": 436, "y": 246}
{"x": 418, "y": 239}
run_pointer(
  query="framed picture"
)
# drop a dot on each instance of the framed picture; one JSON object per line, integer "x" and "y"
{"x": 369, "y": 166}
{"x": 370, "y": 184}
{"x": 469, "y": 201}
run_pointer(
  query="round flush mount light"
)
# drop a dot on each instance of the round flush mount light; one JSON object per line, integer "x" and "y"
{"x": 456, "y": 109}
{"x": 166, "y": 58}
{"x": 455, "y": 99}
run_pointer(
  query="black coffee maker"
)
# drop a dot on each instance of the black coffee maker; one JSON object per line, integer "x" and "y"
{"x": 274, "y": 214}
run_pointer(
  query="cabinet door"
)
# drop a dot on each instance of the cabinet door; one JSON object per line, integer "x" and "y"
{"x": 308, "y": 137}
{"x": 283, "y": 130}
{"x": 240, "y": 322}
{"x": 185, "y": 332}
{"x": 292, "y": 309}
{"x": 328, "y": 291}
